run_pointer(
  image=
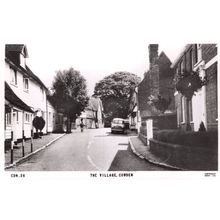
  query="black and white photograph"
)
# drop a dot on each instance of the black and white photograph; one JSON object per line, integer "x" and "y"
{"x": 165, "y": 120}
{"x": 109, "y": 109}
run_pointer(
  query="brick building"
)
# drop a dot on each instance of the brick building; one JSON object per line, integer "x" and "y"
{"x": 157, "y": 82}
{"x": 201, "y": 58}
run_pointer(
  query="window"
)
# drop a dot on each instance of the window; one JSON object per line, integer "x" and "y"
{"x": 191, "y": 60}
{"x": 182, "y": 113}
{"x": 181, "y": 66}
{"x": 13, "y": 76}
{"x": 27, "y": 118}
{"x": 8, "y": 118}
{"x": 195, "y": 55}
{"x": 26, "y": 84}
{"x": 199, "y": 52}
{"x": 17, "y": 116}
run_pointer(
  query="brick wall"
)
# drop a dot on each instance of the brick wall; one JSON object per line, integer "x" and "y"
{"x": 158, "y": 80}
{"x": 189, "y": 58}
{"x": 154, "y": 80}
{"x": 211, "y": 96}
{"x": 208, "y": 51}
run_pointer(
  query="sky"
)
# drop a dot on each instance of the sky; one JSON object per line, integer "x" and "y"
{"x": 95, "y": 37}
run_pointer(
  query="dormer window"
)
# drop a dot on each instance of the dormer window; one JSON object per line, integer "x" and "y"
{"x": 26, "y": 84}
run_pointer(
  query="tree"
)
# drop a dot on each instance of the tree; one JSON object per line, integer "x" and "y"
{"x": 188, "y": 83}
{"x": 116, "y": 92}
{"x": 69, "y": 94}
{"x": 39, "y": 124}
{"x": 160, "y": 103}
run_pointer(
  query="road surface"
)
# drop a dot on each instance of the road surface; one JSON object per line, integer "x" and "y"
{"x": 91, "y": 150}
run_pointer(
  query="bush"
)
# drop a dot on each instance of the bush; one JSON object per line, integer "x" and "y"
{"x": 188, "y": 138}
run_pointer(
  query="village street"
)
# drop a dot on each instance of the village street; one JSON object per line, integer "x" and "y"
{"x": 92, "y": 150}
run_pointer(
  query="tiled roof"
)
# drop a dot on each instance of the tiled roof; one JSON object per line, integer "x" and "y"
{"x": 33, "y": 76}
{"x": 186, "y": 47}
{"x": 26, "y": 72}
{"x": 14, "y": 100}
{"x": 16, "y": 48}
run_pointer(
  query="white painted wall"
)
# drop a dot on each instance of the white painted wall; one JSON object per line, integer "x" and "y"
{"x": 199, "y": 100}
{"x": 198, "y": 107}
{"x": 50, "y": 117}
{"x": 35, "y": 97}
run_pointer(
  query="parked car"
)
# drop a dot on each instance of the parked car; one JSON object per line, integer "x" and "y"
{"x": 119, "y": 125}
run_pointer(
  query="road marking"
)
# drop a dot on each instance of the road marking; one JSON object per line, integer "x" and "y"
{"x": 89, "y": 144}
{"x": 88, "y": 157}
{"x": 93, "y": 164}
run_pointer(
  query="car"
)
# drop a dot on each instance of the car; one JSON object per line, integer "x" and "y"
{"x": 119, "y": 125}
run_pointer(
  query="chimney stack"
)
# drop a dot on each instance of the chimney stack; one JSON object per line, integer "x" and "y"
{"x": 153, "y": 53}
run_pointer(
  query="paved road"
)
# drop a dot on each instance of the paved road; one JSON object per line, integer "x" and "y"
{"x": 92, "y": 150}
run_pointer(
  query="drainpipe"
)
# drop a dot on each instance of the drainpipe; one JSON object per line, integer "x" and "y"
{"x": 46, "y": 116}
{"x": 12, "y": 135}
{"x": 23, "y": 142}
{"x": 203, "y": 73}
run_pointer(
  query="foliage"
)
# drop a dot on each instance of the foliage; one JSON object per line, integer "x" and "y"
{"x": 188, "y": 83}
{"x": 188, "y": 138}
{"x": 38, "y": 123}
{"x": 160, "y": 103}
{"x": 69, "y": 93}
{"x": 115, "y": 92}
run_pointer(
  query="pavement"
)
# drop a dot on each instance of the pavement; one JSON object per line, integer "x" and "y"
{"x": 38, "y": 145}
{"x": 143, "y": 152}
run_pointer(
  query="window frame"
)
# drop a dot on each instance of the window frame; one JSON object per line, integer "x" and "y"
{"x": 8, "y": 119}
{"x": 190, "y": 111}
{"x": 14, "y": 77}
{"x": 182, "y": 110}
{"x": 191, "y": 59}
{"x": 27, "y": 118}
{"x": 25, "y": 79}
{"x": 181, "y": 66}
{"x": 195, "y": 57}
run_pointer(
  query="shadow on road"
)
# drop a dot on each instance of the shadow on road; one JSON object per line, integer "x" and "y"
{"x": 126, "y": 160}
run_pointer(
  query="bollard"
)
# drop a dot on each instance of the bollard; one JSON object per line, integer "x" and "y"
{"x": 12, "y": 146}
{"x": 23, "y": 143}
{"x": 31, "y": 140}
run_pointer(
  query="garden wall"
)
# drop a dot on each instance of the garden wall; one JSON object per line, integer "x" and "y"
{"x": 186, "y": 157}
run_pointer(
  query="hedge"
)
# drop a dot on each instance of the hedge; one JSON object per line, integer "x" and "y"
{"x": 188, "y": 138}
